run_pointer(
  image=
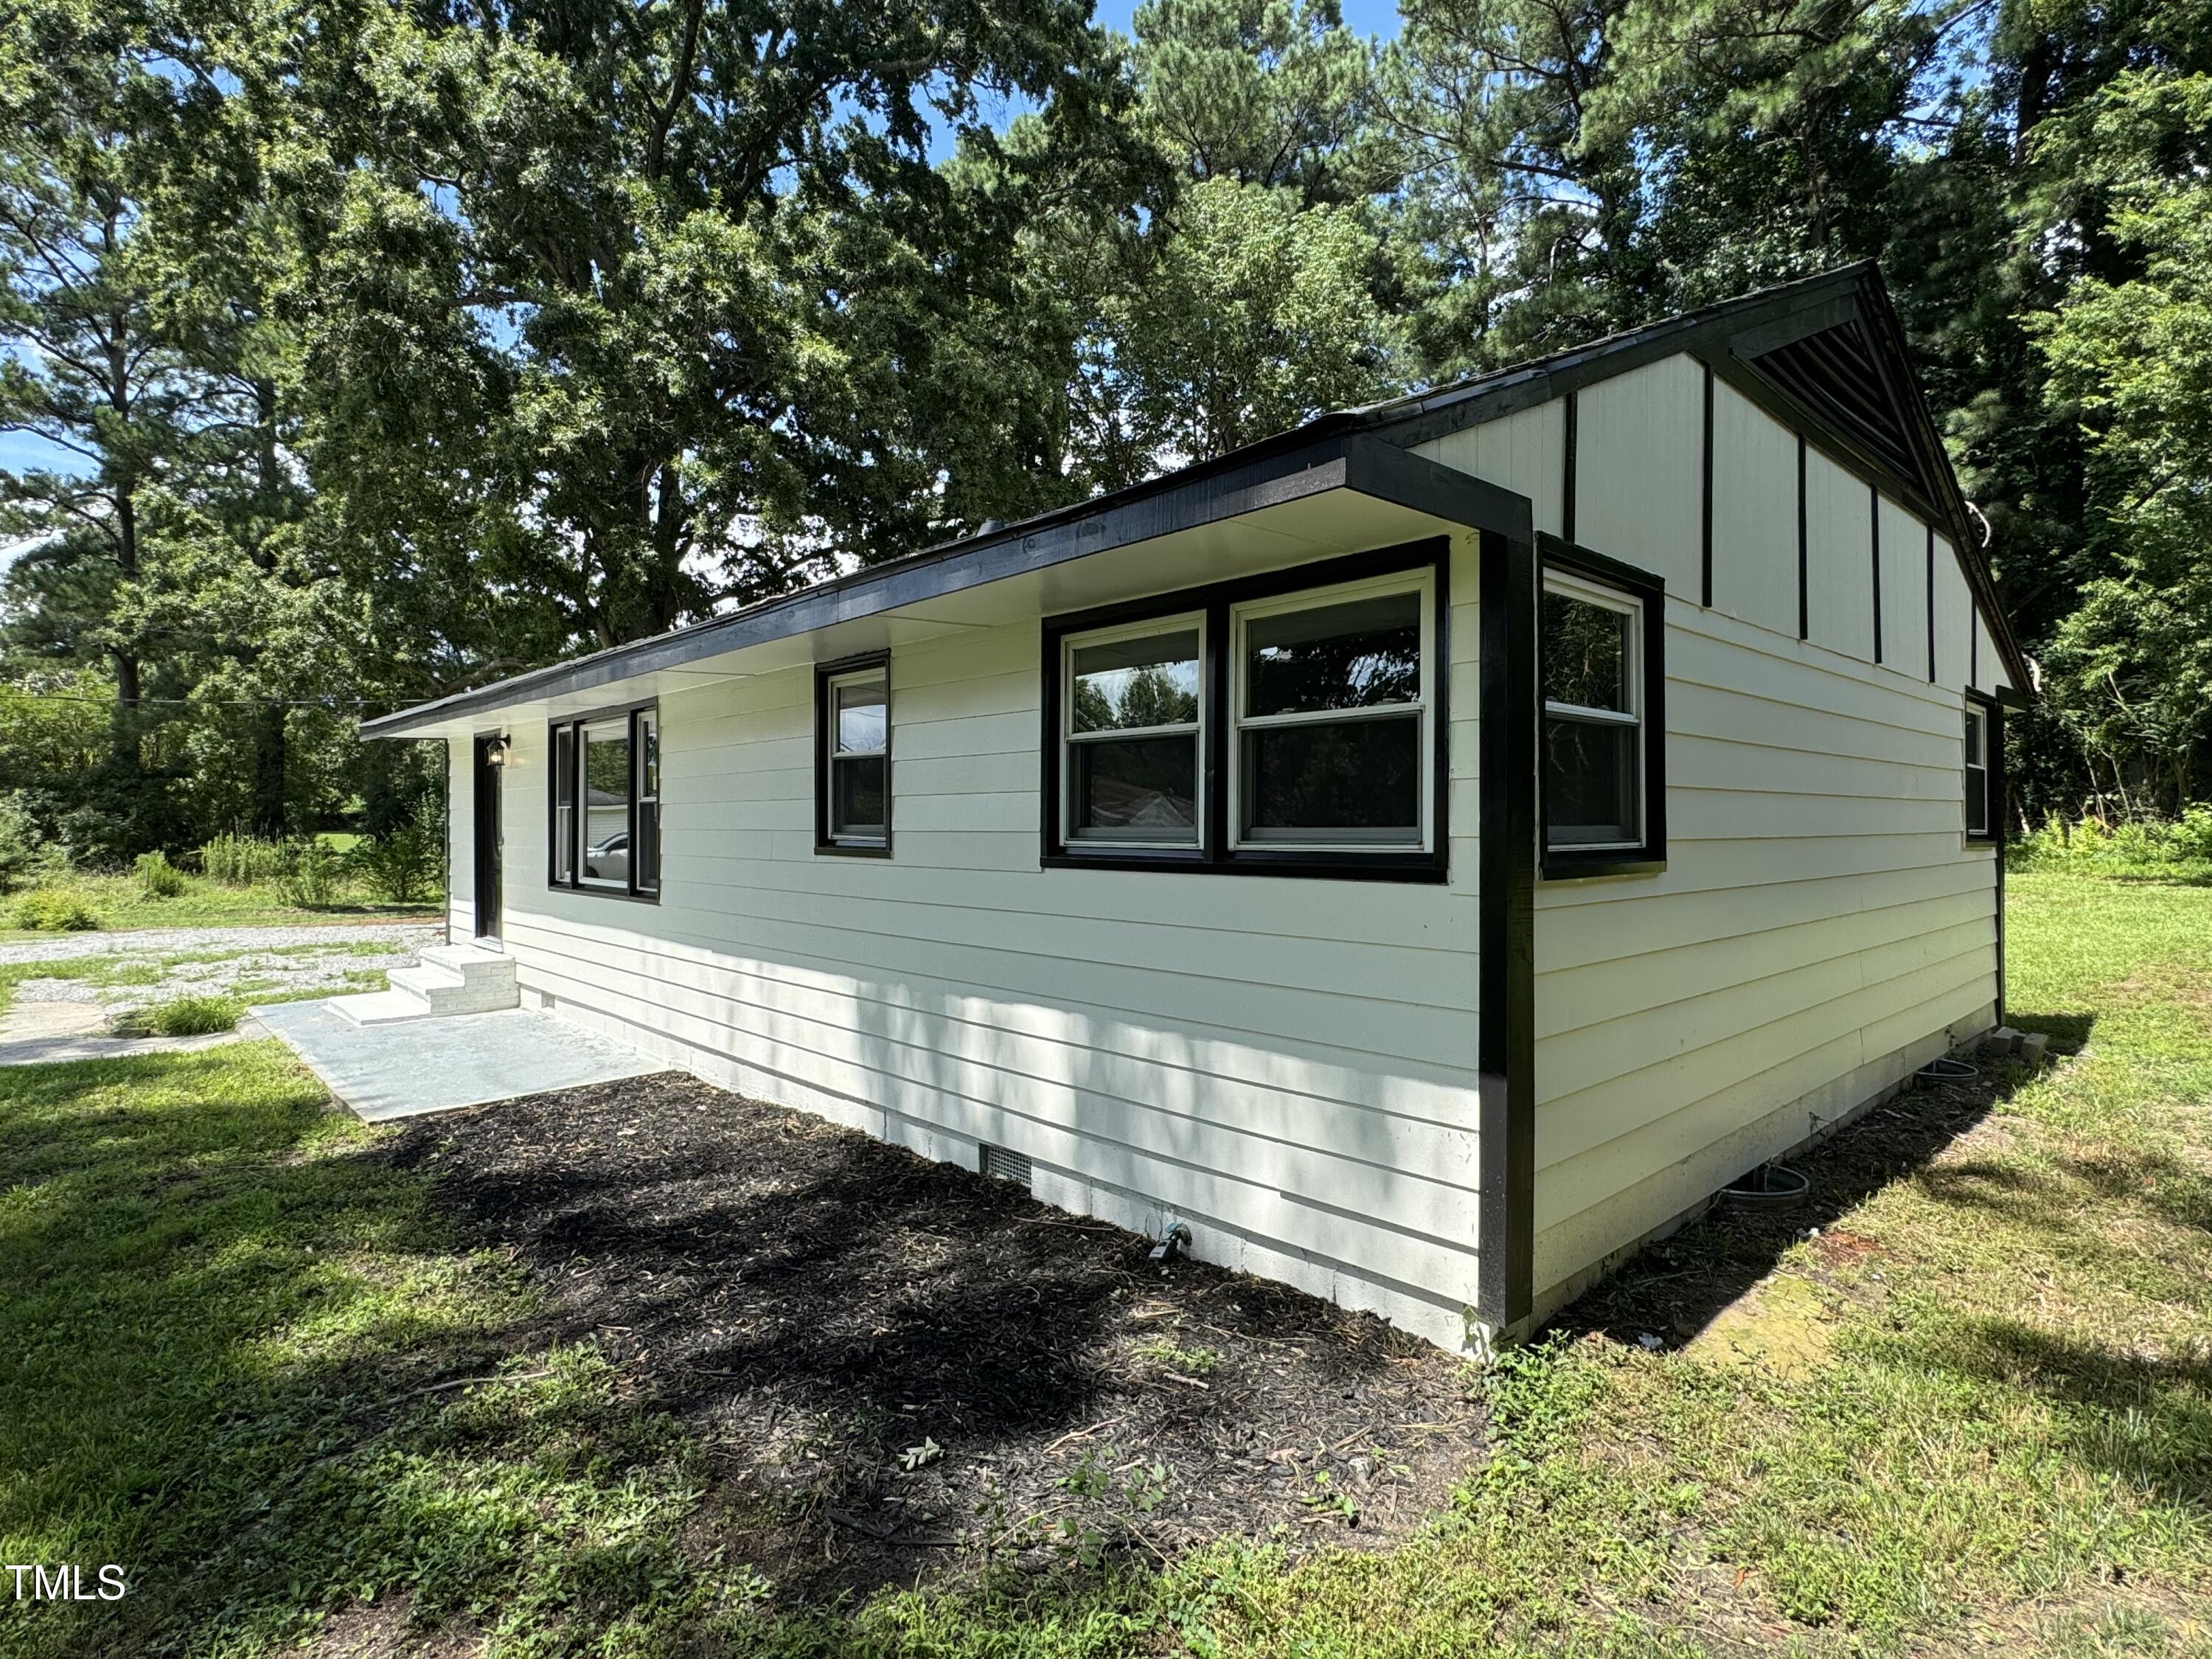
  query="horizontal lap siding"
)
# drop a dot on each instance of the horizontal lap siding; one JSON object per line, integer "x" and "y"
{"x": 1287, "y": 1066}
{"x": 1819, "y": 917}
{"x": 1819, "y": 925}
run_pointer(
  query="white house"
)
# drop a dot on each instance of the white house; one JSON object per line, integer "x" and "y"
{"x": 1425, "y": 854}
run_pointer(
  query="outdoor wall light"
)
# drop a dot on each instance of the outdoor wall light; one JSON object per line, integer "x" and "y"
{"x": 495, "y": 751}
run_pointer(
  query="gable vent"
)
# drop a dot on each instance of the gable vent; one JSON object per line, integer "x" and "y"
{"x": 1001, "y": 1165}
{"x": 1835, "y": 373}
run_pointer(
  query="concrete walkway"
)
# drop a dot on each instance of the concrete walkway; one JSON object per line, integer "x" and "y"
{"x": 419, "y": 1066}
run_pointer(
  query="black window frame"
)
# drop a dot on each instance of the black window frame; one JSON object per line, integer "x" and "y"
{"x": 827, "y": 843}
{"x": 1992, "y": 832}
{"x": 1649, "y": 856}
{"x": 574, "y": 725}
{"x": 1215, "y": 852}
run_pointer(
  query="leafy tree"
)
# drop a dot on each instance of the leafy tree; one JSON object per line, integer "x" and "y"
{"x": 690, "y": 277}
{"x": 2132, "y": 363}
{"x": 1265, "y": 92}
{"x": 1248, "y": 314}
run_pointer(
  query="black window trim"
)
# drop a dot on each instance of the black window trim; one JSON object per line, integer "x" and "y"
{"x": 629, "y": 893}
{"x": 1574, "y": 864}
{"x": 826, "y": 844}
{"x": 1992, "y": 833}
{"x": 1214, "y": 856}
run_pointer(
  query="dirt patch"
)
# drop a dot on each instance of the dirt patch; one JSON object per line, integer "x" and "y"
{"x": 899, "y": 1365}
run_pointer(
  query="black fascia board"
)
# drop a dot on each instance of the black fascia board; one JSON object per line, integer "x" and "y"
{"x": 1265, "y": 474}
{"x": 1726, "y": 337}
{"x": 1314, "y": 457}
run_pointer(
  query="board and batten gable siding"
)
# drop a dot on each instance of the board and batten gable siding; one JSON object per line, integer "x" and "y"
{"x": 1287, "y": 1066}
{"x": 1822, "y": 927}
{"x": 1755, "y": 514}
{"x": 1639, "y": 482}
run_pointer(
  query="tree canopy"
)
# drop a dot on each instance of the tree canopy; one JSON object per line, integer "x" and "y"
{"x": 397, "y": 347}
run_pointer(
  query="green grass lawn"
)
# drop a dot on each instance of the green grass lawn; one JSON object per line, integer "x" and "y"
{"x": 218, "y": 1311}
{"x": 121, "y": 905}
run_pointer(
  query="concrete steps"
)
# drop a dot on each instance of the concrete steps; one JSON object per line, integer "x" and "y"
{"x": 450, "y": 979}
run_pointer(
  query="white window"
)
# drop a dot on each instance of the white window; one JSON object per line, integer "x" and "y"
{"x": 857, "y": 731}
{"x": 564, "y": 804}
{"x": 1590, "y": 648}
{"x": 647, "y": 856}
{"x": 606, "y": 792}
{"x": 1978, "y": 771}
{"x": 1132, "y": 769}
{"x": 1332, "y": 691}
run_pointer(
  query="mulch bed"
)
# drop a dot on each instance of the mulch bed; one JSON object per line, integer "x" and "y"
{"x": 900, "y": 1366}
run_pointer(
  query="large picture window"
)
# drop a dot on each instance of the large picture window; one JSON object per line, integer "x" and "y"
{"x": 1603, "y": 747}
{"x": 604, "y": 822}
{"x": 853, "y": 756}
{"x": 1291, "y": 724}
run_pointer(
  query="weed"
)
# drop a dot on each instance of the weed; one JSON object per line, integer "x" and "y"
{"x": 157, "y": 878}
{"x": 56, "y": 910}
{"x": 193, "y": 1016}
{"x": 1193, "y": 1362}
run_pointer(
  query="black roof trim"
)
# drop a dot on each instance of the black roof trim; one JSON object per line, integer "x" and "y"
{"x": 1908, "y": 458}
{"x": 1730, "y": 336}
{"x": 1263, "y": 475}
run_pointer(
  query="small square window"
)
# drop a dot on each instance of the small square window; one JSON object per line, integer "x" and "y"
{"x": 1601, "y": 743}
{"x": 854, "y": 776}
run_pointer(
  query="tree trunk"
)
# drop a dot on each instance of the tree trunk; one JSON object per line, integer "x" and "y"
{"x": 268, "y": 756}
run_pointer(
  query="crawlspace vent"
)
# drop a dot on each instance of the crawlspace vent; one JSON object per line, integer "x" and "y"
{"x": 1000, "y": 1164}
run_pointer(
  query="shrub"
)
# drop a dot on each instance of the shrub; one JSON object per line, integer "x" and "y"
{"x": 310, "y": 874}
{"x": 402, "y": 865}
{"x": 56, "y": 910}
{"x": 182, "y": 1016}
{"x": 2147, "y": 844}
{"x": 2192, "y": 832}
{"x": 242, "y": 860}
{"x": 157, "y": 877}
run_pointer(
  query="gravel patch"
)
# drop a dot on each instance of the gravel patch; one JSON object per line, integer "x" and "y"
{"x": 175, "y": 941}
{"x": 252, "y": 964}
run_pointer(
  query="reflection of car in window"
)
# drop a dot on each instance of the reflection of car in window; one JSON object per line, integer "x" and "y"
{"x": 609, "y": 859}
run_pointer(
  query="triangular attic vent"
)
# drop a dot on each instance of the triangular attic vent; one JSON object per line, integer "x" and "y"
{"x": 1834, "y": 373}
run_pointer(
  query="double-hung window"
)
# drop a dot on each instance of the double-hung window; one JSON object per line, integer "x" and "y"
{"x": 604, "y": 823}
{"x": 1332, "y": 746}
{"x": 1288, "y": 723}
{"x": 853, "y": 756}
{"x": 1602, "y": 748}
{"x": 1133, "y": 767}
{"x": 1985, "y": 813}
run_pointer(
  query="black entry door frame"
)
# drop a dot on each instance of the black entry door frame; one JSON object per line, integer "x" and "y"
{"x": 490, "y": 752}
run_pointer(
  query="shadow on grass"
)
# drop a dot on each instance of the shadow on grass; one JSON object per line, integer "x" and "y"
{"x": 1678, "y": 1286}
{"x": 241, "y": 1331}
